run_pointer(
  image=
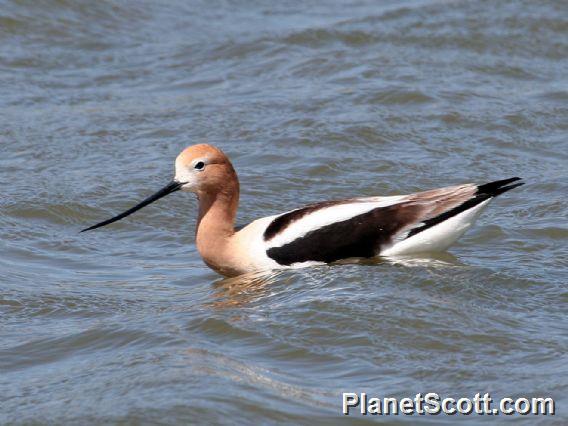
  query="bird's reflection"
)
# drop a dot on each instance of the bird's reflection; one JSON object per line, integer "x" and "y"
{"x": 426, "y": 259}
{"x": 243, "y": 289}
{"x": 421, "y": 259}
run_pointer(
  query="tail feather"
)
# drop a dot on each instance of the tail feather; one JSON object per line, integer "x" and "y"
{"x": 493, "y": 189}
{"x": 484, "y": 192}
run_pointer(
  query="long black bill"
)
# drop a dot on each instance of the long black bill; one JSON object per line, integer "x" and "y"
{"x": 173, "y": 186}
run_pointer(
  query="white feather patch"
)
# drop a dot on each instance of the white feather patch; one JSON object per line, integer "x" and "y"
{"x": 328, "y": 215}
{"x": 438, "y": 237}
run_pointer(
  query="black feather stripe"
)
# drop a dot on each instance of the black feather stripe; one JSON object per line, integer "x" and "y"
{"x": 484, "y": 192}
{"x": 279, "y": 224}
{"x": 358, "y": 237}
{"x": 496, "y": 188}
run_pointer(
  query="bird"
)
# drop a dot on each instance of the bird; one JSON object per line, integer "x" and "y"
{"x": 322, "y": 232}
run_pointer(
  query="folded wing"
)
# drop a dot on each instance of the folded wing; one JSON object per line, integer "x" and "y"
{"x": 366, "y": 227}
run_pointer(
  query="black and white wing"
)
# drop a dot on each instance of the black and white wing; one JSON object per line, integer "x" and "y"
{"x": 366, "y": 227}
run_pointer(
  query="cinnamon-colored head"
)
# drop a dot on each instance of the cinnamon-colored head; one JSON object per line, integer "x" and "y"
{"x": 203, "y": 169}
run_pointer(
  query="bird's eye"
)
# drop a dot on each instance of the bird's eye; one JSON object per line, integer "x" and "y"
{"x": 199, "y": 165}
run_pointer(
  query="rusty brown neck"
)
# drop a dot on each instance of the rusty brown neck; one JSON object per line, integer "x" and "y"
{"x": 216, "y": 222}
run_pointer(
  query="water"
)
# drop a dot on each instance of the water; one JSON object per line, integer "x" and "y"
{"x": 312, "y": 101}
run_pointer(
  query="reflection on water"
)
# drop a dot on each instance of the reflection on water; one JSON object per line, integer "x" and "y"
{"x": 240, "y": 290}
{"x": 426, "y": 259}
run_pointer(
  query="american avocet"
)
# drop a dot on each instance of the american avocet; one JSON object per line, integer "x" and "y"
{"x": 319, "y": 233}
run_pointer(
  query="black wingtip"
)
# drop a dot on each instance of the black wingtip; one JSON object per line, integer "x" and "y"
{"x": 493, "y": 189}
{"x": 484, "y": 192}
